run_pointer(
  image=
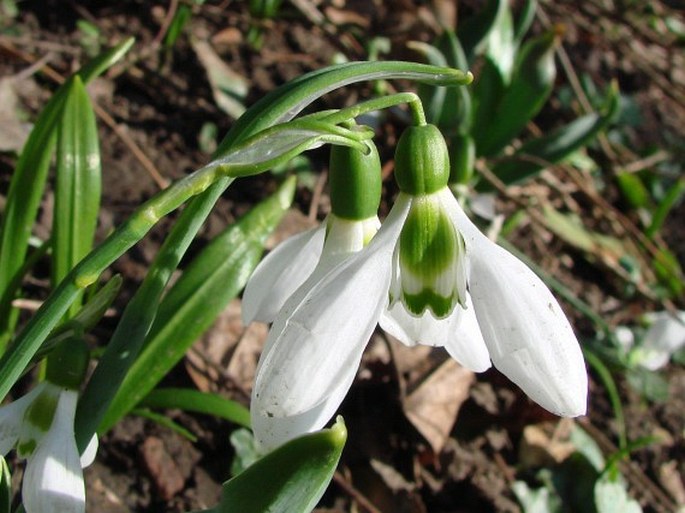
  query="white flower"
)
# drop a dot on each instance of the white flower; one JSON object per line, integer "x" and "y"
{"x": 428, "y": 276}
{"x": 316, "y": 342}
{"x": 41, "y": 427}
{"x": 664, "y": 337}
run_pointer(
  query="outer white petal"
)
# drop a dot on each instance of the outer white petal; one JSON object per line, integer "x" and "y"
{"x": 270, "y": 432}
{"x": 53, "y": 482}
{"x": 528, "y": 335}
{"x": 11, "y": 419}
{"x": 458, "y": 333}
{"x": 314, "y": 347}
{"x": 280, "y": 273}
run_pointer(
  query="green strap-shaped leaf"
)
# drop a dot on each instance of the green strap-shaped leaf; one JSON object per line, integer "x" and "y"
{"x": 670, "y": 199}
{"x": 200, "y": 402}
{"x": 214, "y": 277}
{"x": 86, "y": 318}
{"x": 500, "y": 45}
{"x": 486, "y": 94}
{"x": 525, "y": 19}
{"x": 134, "y": 325}
{"x": 537, "y": 154}
{"x": 474, "y": 31}
{"x": 28, "y": 184}
{"x": 290, "y": 479}
{"x": 78, "y": 183}
{"x": 529, "y": 89}
{"x": 449, "y": 109}
{"x": 286, "y": 102}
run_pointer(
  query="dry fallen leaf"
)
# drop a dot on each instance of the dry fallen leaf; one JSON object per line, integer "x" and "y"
{"x": 546, "y": 444}
{"x": 435, "y": 387}
{"x": 229, "y": 88}
{"x": 228, "y": 351}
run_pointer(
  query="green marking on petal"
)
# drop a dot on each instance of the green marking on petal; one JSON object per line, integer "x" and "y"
{"x": 26, "y": 447}
{"x": 429, "y": 242}
{"x": 429, "y": 300}
{"x": 41, "y": 412}
{"x": 431, "y": 259}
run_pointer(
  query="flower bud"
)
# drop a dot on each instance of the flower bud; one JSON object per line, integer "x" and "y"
{"x": 421, "y": 160}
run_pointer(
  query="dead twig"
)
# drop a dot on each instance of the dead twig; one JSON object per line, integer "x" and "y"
{"x": 358, "y": 496}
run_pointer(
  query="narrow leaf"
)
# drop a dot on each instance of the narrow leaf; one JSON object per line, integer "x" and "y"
{"x": 85, "y": 319}
{"x": 633, "y": 190}
{"x": 78, "y": 183}
{"x": 134, "y": 325}
{"x": 286, "y": 102}
{"x": 28, "y": 183}
{"x": 538, "y": 154}
{"x": 208, "y": 284}
{"x": 671, "y": 198}
{"x": 200, "y": 402}
{"x": 487, "y": 93}
{"x": 449, "y": 109}
{"x": 166, "y": 422}
{"x": 292, "y": 478}
{"x": 501, "y": 47}
{"x": 531, "y": 85}
{"x": 525, "y": 19}
{"x": 474, "y": 31}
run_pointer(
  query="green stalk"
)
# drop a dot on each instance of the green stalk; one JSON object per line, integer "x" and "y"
{"x": 134, "y": 325}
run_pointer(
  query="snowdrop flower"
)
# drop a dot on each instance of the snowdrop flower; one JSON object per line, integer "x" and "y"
{"x": 664, "y": 337}
{"x": 428, "y": 276}
{"x": 40, "y": 425}
{"x": 355, "y": 181}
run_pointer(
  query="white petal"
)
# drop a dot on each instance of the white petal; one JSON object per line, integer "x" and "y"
{"x": 270, "y": 431}
{"x": 53, "y": 482}
{"x": 466, "y": 343}
{"x": 12, "y": 417}
{"x": 90, "y": 452}
{"x": 458, "y": 333}
{"x": 314, "y": 347}
{"x": 528, "y": 335}
{"x": 665, "y": 336}
{"x": 280, "y": 273}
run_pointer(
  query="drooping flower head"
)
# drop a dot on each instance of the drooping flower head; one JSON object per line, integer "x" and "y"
{"x": 40, "y": 425}
{"x": 428, "y": 276}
